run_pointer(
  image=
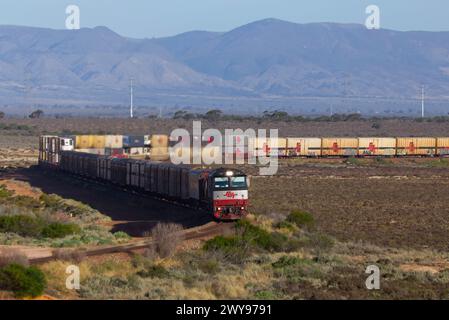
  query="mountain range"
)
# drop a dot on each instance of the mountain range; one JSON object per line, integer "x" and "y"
{"x": 269, "y": 62}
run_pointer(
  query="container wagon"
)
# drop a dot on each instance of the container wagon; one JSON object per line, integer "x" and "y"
{"x": 377, "y": 147}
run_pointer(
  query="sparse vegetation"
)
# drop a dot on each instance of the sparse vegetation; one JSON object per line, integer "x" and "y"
{"x": 51, "y": 220}
{"x": 301, "y": 219}
{"x": 166, "y": 237}
{"x": 12, "y": 256}
{"x": 22, "y": 281}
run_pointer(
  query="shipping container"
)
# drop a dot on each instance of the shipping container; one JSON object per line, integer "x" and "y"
{"x": 416, "y": 146}
{"x": 133, "y": 141}
{"x": 84, "y": 141}
{"x": 263, "y": 147}
{"x": 339, "y": 147}
{"x": 113, "y": 141}
{"x": 377, "y": 146}
{"x": 98, "y": 142}
{"x": 443, "y": 146}
{"x": 159, "y": 141}
{"x": 304, "y": 147}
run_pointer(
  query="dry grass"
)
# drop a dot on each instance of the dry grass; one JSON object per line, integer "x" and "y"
{"x": 166, "y": 236}
{"x": 12, "y": 255}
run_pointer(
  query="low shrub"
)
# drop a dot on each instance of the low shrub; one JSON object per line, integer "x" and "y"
{"x": 31, "y": 226}
{"x": 221, "y": 243}
{"x": 22, "y": 281}
{"x": 166, "y": 236}
{"x": 301, "y": 219}
{"x": 24, "y": 225}
{"x": 60, "y": 230}
{"x": 9, "y": 256}
{"x": 232, "y": 248}
{"x": 260, "y": 237}
{"x": 51, "y": 201}
{"x": 286, "y": 261}
{"x": 211, "y": 266}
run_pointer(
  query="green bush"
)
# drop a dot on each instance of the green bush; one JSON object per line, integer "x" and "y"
{"x": 221, "y": 243}
{"x": 301, "y": 218}
{"x": 259, "y": 237}
{"x": 51, "y": 201}
{"x": 286, "y": 261}
{"x": 30, "y": 226}
{"x": 24, "y": 225}
{"x": 60, "y": 230}
{"x": 23, "y": 281}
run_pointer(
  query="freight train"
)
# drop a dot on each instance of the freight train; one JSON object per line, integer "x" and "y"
{"x": 222, "y": 192}
{"x": 352, "y": 147}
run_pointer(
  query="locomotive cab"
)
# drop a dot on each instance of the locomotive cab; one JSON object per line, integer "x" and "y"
{"x": 229, "y": 194}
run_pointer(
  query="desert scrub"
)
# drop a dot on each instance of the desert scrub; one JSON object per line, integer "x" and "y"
{"x": 12, "y": 256}
{"x": 166, "y": 236}
{"x": 71, "y": 208}
{"x": 32, "y": 226}
{"x": 22, "y": 281}
{"x": 301, "y": 219}
{"x": 248, "y": 238}
{"x": 60, "y": 230}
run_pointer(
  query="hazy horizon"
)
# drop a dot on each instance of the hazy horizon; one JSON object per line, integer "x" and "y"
{"x": 145, "y": 19}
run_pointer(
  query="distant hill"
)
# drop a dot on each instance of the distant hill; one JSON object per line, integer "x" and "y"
{"x": 264, "y": 60}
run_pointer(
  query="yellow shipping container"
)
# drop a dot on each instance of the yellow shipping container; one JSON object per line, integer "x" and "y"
{"x": 263, "y": 146}
{"x": 159, "y": 140}
{"x": 304, "y": 147}
{"x": 98, "y": 142}
{"x": 443, "y": 146}
{"x": 377, "y": 146}
{"x": 416, "y": 146}
{"x": 339, "y": 146}
{"x": 113, "y": 141}
{"x": 84, "y": 141}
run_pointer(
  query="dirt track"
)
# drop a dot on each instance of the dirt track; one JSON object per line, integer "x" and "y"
{"x": 41, "y": 255}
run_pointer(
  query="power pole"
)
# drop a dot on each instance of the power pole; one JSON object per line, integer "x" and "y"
{"x": 422, "y": 102}
{"x": 132, "y": 100}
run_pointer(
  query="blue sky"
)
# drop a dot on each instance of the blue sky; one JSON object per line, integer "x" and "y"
{"x": 156, "y": 18}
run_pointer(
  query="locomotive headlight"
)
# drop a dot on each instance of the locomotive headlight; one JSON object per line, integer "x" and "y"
{"x": 229, "y": 173}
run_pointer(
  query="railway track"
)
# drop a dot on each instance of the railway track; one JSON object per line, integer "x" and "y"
{"x": 206, "y": 231}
